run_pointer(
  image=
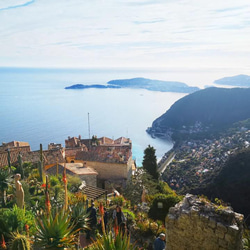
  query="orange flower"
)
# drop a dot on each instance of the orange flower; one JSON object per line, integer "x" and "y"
{"x": 116, "y": 229}
{"x": 3, "y": 243}
{"x": 47, "y": 202}
{"x": 27, "y": 227}
{"x": 101, "y": 209}
{"x": 64, "y": 179}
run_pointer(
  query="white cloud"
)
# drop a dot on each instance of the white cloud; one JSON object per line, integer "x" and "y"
{"x": 124, "y": 33}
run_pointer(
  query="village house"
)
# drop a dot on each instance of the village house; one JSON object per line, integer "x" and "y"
{"x": 111, "y": 159}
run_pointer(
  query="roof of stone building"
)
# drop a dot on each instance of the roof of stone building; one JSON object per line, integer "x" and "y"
{"x": 72, "y": 151}
{"x": 106, "y": 153}
{"x": 72, "y": 169}
{"x": 105, "y": 140}
{"x": 78, "y": 141}
{"x": 15, "y": 148}
{"x": 122, "y": 140}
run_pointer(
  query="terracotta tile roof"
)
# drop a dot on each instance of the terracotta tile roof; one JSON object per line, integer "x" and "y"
{"x": 76, "y": 142}
{"x": 15, "y": 148}
{"x": 106, "y": 153}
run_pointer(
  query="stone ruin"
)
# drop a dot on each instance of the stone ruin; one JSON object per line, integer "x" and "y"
{"x": 196, "y": 223}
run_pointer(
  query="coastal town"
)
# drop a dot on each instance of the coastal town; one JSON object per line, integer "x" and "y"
{"x": 197, "y": 162}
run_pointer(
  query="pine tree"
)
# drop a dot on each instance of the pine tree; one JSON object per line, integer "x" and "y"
{"x": 149, "y": 162}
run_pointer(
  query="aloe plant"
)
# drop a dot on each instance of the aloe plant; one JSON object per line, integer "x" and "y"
{"x": 55, "y": 231}
{"x": 110, "y": 242}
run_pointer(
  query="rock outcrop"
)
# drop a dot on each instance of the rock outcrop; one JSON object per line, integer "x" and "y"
{"x": 196, "y": 223}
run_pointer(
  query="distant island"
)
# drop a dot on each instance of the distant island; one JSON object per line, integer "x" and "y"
{"x": 95, "y": 86}
{"x": 239, "y": 81}
{"x": 204, "y": 111}
{"x": 142, "y": 83}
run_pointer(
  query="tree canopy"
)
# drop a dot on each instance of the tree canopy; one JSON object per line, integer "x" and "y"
{"x": 149, "y": 162}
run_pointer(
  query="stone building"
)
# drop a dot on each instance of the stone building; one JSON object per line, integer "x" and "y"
{"x": 111, "y": 159}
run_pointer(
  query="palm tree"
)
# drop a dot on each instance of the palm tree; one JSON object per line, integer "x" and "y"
{"x": 4, "y": 184}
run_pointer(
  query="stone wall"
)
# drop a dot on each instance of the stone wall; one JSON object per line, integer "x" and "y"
{"x": 110, "y": 171}
{"x": 196, "y": 223}
{"x": 89, "y": 179}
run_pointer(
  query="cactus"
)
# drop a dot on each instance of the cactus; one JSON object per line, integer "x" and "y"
{"x": 19, "y": 242}
{"x": 20, "y": 163}
{"x": 40, "y": 169}
{"x": 40, "y": 163}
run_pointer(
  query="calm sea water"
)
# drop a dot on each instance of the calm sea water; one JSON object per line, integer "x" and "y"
{"x": 35, "y": 107}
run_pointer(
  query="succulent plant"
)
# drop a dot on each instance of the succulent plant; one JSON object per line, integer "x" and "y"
{"x": 55, "y": 230}
{"x": 19, "y": 242}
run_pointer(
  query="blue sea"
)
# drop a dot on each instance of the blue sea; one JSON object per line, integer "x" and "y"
{"x": 35, "y": 107}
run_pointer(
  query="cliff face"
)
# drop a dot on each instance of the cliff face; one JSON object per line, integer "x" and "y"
{"x": 196, "y": 223}
{"x": 214, "y": 107}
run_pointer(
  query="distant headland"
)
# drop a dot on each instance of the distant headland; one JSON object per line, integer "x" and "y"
{"x": 95, "y": 86}
{"x": 142, "y": 83}
{"x": 239, "y": 81}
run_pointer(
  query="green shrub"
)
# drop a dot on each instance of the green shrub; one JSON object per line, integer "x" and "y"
{"x": 15, "y": 219}
{"x": 118, "y": 200}
{"x": 74, "y": 183}
{"x": 129, "y": 215}
{"x": 166, "y": 201}
{"x": 54, "y": 180}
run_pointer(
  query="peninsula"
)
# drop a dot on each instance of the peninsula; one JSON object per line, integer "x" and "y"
{"x": 95, "y": 86}
{"x": 204, "y": 111}
{"x": 142, "y": 83}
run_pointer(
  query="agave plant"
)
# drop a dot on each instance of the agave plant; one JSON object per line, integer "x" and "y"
{"x": 246, "y": 243}
{"x": 55, "y": 231}
{"x": 79, "y": 217}
{"x": 110, "y": 242}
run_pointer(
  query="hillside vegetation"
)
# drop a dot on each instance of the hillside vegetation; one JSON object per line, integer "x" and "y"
{"x": 212, "y": 107}
{"x": 233, "y": 183}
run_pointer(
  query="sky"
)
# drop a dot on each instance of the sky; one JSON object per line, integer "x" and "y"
{"x": 186, "y": 34}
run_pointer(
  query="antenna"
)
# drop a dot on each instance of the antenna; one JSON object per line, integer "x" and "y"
{"x": 89, "y": 128}
{"x": 89, "y": 125}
